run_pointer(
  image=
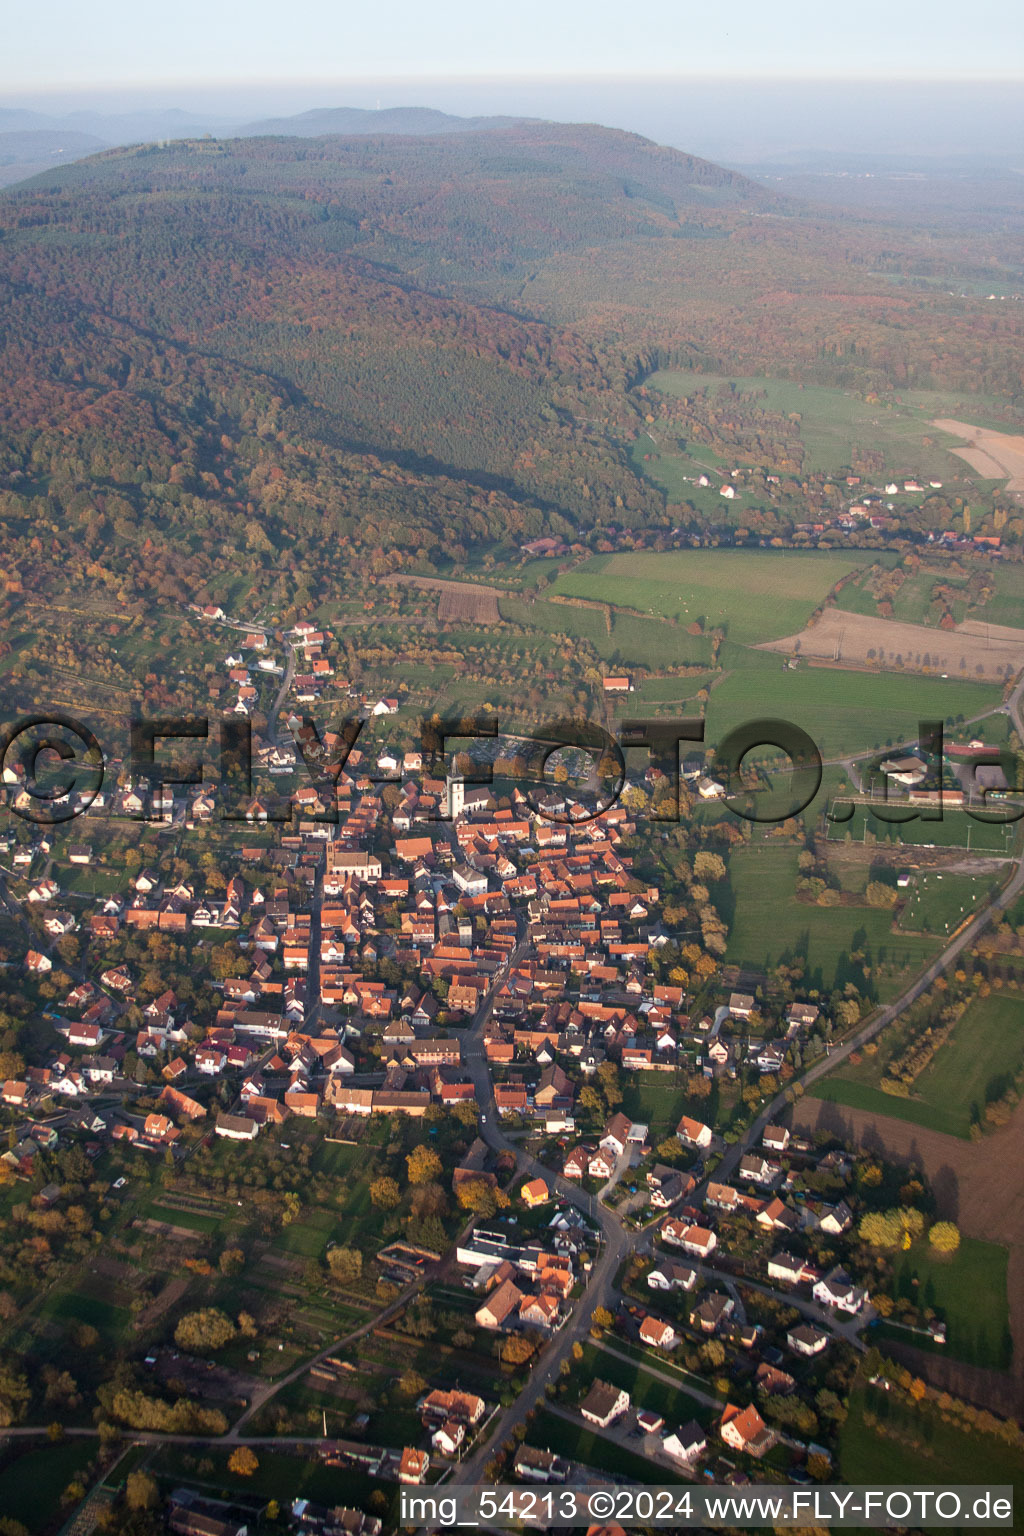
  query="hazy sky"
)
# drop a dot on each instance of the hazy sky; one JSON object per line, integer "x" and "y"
{"x": 65, "y": 43}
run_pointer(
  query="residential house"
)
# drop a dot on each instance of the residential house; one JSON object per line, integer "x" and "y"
{"x": 659, "y": 1334}
{"x": 743, "y": 1429}
{"x": 604, "y": 1404}
{"x": 805, "y": 1339}
{"x": 687, "y": 1445}
{"x": 836, "y": 1289}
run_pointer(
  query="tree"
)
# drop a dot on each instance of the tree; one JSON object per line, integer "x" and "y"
{"x": 517, "y": 1348}
{"x": 345, "y": 1264}
{"x": 601, "y": 1320}
{"x": 423, "y": 1164}
{"x": 708, "y": 866}
{"x": 476, "y": 1195}
{"x": 879, "y": 895}
{"x": 243, "y": 1462}
{"x": 205, "y": 1330}
{"x": 141, "y": 1491}
{"x": 944, "y": 1236}
{"x": 384, "y": 1193}
{"x": 231, "y": 1261}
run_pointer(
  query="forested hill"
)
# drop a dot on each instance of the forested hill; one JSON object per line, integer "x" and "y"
{"x": 254, "y": 349}
{"x": 362, "y": 120}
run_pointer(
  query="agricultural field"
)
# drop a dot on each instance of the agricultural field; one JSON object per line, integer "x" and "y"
{"x": 459, "y": 602}
{"x": 835, "y": 425}
{"x": 974, "y": 1067}
{"x": 973, "y": 652}
{"x": 752, "y": 595}
{"x": 837, "y": 944}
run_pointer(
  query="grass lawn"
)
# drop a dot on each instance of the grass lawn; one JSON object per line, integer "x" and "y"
{"x": 955, "y": 830}
{"x": 279, "y": 1476}
{"x": 753, "y": 595}
{"x": 675, "y": 1404}
{"x": 968, "y": 1291}
{"x": 940, "y": 1455}
{"x": 307, "y": 1238}
{"x": 769, "y": 924}
{"x": 653, "y": 1099}
{"x": 72, "y": 1306}
{"x": 32, "y": 1484}
{"x": 975, "y": 1066}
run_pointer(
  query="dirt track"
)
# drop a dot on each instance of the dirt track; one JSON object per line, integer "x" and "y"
{"x": 978, "y": 1184}
{"x": 973, "y": 652}
{"x": 993, "y": 455}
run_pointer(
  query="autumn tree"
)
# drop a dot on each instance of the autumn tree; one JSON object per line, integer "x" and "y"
{"x": 384, "y": 1193}
{"x": 243, "y": 1462}
{"x": 424, "y": 1165}
{"x": 345, "y": 1264}
{"x": 205, "y": 1330}
{"x": 944, "y": 1236}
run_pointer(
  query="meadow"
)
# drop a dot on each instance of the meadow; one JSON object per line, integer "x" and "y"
{"x": 916, "y": 1446}
{"x": 837, "y": 944}
{"x": 835, "y": 424}
{"x": 975, "y": 1065}
{"x": 967, "y": 1291}
{"x": 752, "y": 595}
{"x": 956, "y": 829}
{"x": 844, "y": 713}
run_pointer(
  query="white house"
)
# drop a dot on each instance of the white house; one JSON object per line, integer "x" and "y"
{"x": 837, "y": 1290}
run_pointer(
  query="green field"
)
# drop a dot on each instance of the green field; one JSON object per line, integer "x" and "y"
{"x": 975, "y": 1065}
{"x": 636, "y": 641}
{"x": 833, "y": 424}
{"x": 769, "y": 925}
{"x": 752, "y": 595}
{"x": 955, "y": 830}
{"x": 653, "y": 1099}
{"x": 674, "y": 1404}
{"x": 915, "y": 1446}
{"x": 968, "y": 1291}
{"x": 279, "y": 1476}
{"x": 842, "y": 712}
{"x": 939, "y": 902}
{"x": 32, "y": 1484}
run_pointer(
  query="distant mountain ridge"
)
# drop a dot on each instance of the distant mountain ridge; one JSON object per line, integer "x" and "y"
{"x": 363, "y": 120}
